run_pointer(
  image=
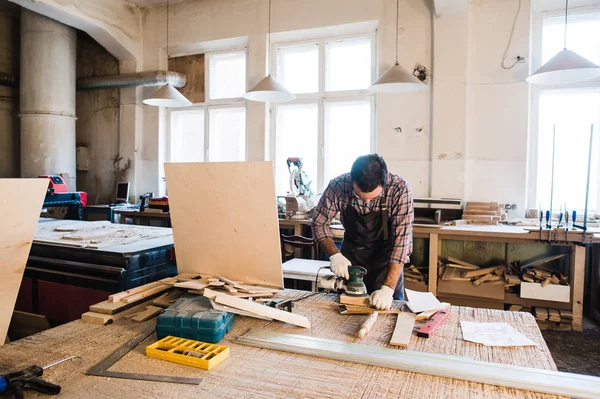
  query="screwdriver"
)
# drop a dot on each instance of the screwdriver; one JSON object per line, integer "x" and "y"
{"x": 29, "y": 379}
{"x": 574, "y": 219}
{"x": 558, "y": 225}
{"x": 541, "y": 220}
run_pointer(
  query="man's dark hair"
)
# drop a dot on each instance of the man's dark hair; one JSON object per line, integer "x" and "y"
{"x": 369, "y": 172}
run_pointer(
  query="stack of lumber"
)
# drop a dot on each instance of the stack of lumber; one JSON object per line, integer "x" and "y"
{"x": 458, "y": 270}
{"x": 553, "y": 319}
{"x": 484, "y": 213}
{"x": 146, "y": 301}
{"x": 196, "y": 284}
{"x": 415, "y": 275}
{"x": 544, "y": 276}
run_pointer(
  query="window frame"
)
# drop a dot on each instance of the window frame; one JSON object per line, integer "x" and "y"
{"x": 209, "y": 104}
{"x": 322, "y": 96}
{"x": 537, "y": 25}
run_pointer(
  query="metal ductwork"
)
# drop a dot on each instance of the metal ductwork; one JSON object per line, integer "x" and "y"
{"x": 6, "y": 79}
{"x": 153, "y": 78}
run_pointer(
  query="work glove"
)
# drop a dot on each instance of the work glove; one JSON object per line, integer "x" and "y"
{"x": 382, "y": 298}
{"x": 339, "y": 265}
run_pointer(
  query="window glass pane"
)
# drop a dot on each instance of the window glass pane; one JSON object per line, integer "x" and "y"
{"x": 347, "y": 135}
{"x": 227, "y": 140}
{"x": 348, "y": 64}
{"x": 297, "y": 136}
{"x": 298, "y": 68}
{"x": 583, "y": 36}
{"x": 227, "y": 75}
{"x": 187, "y": 136}
{"x": 572, "y": 112}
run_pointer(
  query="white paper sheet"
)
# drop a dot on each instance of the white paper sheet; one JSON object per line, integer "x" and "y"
{"x": 493, "y": 334}
{"x": 419, "y": 302}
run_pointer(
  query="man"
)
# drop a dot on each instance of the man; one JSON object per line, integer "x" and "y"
{"x": 376, "y": 209}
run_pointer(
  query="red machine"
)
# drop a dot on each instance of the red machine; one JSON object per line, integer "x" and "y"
{"x": 57, "y": 184}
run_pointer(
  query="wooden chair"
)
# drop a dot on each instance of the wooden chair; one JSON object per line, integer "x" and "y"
{"x": 298, "y": 242}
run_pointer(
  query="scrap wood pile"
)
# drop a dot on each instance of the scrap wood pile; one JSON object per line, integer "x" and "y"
{"x": 415, "y": 275}
{"x": 483, "y": 213}
{"x": 144, "y": 302}
{"x": 453, "y": 269}
{"x": 457, "y": 270}
{"x": 536, "y": 272}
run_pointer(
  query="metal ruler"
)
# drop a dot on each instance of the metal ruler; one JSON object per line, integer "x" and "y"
{"x": 101, "y": 369}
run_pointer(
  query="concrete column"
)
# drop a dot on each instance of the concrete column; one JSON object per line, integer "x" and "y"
{"x": 47, "y": 95}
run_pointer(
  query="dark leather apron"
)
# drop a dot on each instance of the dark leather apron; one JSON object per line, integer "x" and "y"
{"x": 368, "y": 243}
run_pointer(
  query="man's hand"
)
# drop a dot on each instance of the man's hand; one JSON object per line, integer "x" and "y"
{"x": 339, "y": 265}
{"x": 382, "y": 298}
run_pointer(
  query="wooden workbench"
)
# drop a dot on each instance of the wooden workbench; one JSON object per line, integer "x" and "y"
{"x": 437, "y": 237}
{"x": 252, "y": 372}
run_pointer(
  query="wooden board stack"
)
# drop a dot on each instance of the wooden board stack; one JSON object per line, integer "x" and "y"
{"x": 553, "y": 319}
{"x": 484, "y": 213}
{"x": 143, "y": 302}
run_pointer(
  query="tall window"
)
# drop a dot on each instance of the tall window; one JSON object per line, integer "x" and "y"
{"x": 568, "y": 111}
{"x": 216, "y": 129}
{"x": 331, "y": 122}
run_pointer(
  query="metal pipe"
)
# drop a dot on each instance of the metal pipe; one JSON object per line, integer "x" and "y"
{"x": 6, "y": 79}
{"x": 587, "y": 188}
{"x": 552, "y": 178}
{"x": 152, "y": 78}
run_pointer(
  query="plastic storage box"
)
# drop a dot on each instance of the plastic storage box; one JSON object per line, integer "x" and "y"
{"x": 194, "y": 318}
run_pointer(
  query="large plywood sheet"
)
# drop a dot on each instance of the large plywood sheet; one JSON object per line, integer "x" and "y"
{"x": 21, "y": 201}
{"x": 224, "y": 218}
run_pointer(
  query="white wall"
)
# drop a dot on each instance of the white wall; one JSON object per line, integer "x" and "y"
{"x": 477, "y": 149}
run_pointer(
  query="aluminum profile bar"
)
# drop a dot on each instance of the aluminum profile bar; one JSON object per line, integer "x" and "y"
{"x": 545, "y": 381}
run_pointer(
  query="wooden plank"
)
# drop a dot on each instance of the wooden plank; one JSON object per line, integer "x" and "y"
{"x": 97, "y": 318}
{"x": 165, "y": 300}
{"x": 238, "y": 294}
{"x": 466, "y": 288}
{"x": 403, "y": 330}
{"x": 578, "y": 283}
{"x": 452, "y": 273}
{"x": 145, "y": 294}
{"x": 240, "y": 312}
{"x": 107, "y": 307}
{"x": 481, "y": 272}
{"x": 22, "y": 201}
{"x": 435, "y": 247}
{"x": 462, "y": 262}
{"x": 545, "y": 381}
{"x": 150, "y": 312}
{"x": 354, "y": 300}
{"x": 120, "y": 295}
{"x": 557, "y": 293}
{"x": 192, "y": 284}
{"x": 262, "y": 310}
{"x": 236, "y": 188}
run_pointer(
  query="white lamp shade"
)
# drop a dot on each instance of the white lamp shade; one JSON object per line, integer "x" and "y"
{"x": 167, "y": 96}
{"x": 565, "y": 67}
{"x": 396, "y": 80}
{"x": 269, "y": 90}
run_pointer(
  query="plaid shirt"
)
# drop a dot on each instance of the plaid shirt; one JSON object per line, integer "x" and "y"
{"x": 400, "y": 206}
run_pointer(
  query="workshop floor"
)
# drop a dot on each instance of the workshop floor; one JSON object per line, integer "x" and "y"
{"x": 576, "y": 352}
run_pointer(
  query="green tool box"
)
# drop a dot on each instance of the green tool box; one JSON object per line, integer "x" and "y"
{"x": 193, "y": 317}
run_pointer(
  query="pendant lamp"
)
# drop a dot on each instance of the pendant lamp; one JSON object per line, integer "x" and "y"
{"x": 167, "y": 96}
{"x": 397, "y": 79}
{"x": 566, "y": 66}
{"x": 269, "y": 90}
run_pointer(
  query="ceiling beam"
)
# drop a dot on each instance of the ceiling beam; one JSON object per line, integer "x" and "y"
{"x": 115, "y": 24}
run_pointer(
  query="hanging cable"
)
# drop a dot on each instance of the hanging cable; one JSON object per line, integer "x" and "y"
{"x": 512, "y": 31}
{"x": 566, "y": 20}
